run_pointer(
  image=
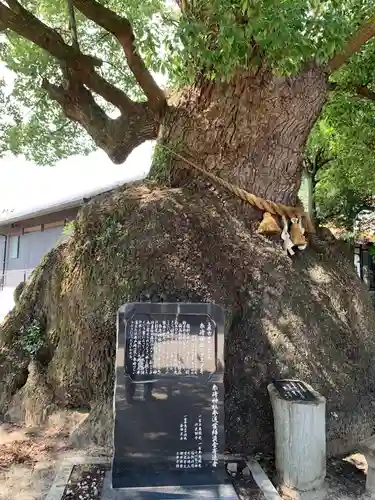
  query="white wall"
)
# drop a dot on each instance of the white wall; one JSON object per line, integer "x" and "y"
{"x": 33, "y": 246}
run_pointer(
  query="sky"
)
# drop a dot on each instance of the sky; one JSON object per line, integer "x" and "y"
{"x": 24, "y": 184}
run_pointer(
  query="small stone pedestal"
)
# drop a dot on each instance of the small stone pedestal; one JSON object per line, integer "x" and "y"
{"x": 300, "y": 439}
{"x": 367, "y": 448}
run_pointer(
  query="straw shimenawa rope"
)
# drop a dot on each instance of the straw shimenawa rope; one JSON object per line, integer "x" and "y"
{"x": 260, "y": 203}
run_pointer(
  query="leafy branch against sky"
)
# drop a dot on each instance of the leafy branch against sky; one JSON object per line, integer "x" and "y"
{"x": 174, "y": 39}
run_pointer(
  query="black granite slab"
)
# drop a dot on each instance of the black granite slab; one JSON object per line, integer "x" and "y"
{"x": 169, "y": 396}
{"x": 294, "y": 390}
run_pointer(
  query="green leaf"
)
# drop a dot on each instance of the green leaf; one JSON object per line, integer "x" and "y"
{"x": 217, "y": 38}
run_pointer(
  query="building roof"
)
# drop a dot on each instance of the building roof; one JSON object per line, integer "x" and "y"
{"x": 11, "y": 216}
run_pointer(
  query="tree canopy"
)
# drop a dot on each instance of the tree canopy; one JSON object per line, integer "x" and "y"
{"x": 346, "y": 135}
{"x": 44, "y": 44}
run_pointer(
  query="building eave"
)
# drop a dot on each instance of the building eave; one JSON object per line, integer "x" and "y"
{"x": 69, "y": 203}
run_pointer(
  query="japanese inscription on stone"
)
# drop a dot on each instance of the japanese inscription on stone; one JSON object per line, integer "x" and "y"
{"x": 169, "y": 416}
{"x": 161, "y": 347}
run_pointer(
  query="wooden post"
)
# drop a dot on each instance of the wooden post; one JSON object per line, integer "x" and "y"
{"x": 300, "y": 438}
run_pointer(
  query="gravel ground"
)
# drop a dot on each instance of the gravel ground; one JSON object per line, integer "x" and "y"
{"x": 244, "y": 484}
{"x": 246, "y": 488}
{"x": 85, "y": 482}
{"x": 346, "y": 479}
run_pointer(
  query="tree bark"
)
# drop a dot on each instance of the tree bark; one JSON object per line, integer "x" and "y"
{"x": 117, "y": 137}
{"x": 251, "y": 131}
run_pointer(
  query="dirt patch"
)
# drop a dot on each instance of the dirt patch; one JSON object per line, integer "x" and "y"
{"x": 31, "y": 456}
{"x": 345, "y": 479}
{"x": 26, "y": 483}
{"x": 30, "y": 445}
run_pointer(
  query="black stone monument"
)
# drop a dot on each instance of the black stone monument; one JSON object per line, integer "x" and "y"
{"x": 169, "y": 399}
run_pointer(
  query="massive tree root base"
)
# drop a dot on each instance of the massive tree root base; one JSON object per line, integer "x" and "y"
{"x": 306, "y": 317}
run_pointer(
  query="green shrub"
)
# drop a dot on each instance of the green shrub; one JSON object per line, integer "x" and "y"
{"x": 33, "y": 338}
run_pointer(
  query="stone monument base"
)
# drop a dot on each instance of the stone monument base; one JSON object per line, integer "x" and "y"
{"x": 223, "y": 491}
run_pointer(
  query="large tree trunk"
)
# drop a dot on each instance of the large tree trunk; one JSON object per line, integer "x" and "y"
{"x": 307, "y": 317}
{"x": 250, "y": 131}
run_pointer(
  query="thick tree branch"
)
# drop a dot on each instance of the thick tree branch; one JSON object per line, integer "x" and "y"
{"x": 73, "y": 24}
{"x": 365, "y": 92}
{"x": 30, "y": 27}
{"x": 354, "y": 45}
{"x": 27, "y": 25}
{"x": 359, "y": 90}
{"x": 117, "y": 137}
{"x": 122, "y": 30}
{"x": 102, "y": 87}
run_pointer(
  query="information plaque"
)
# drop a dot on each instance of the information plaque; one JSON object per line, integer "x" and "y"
{"x": 294, "y": 390}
